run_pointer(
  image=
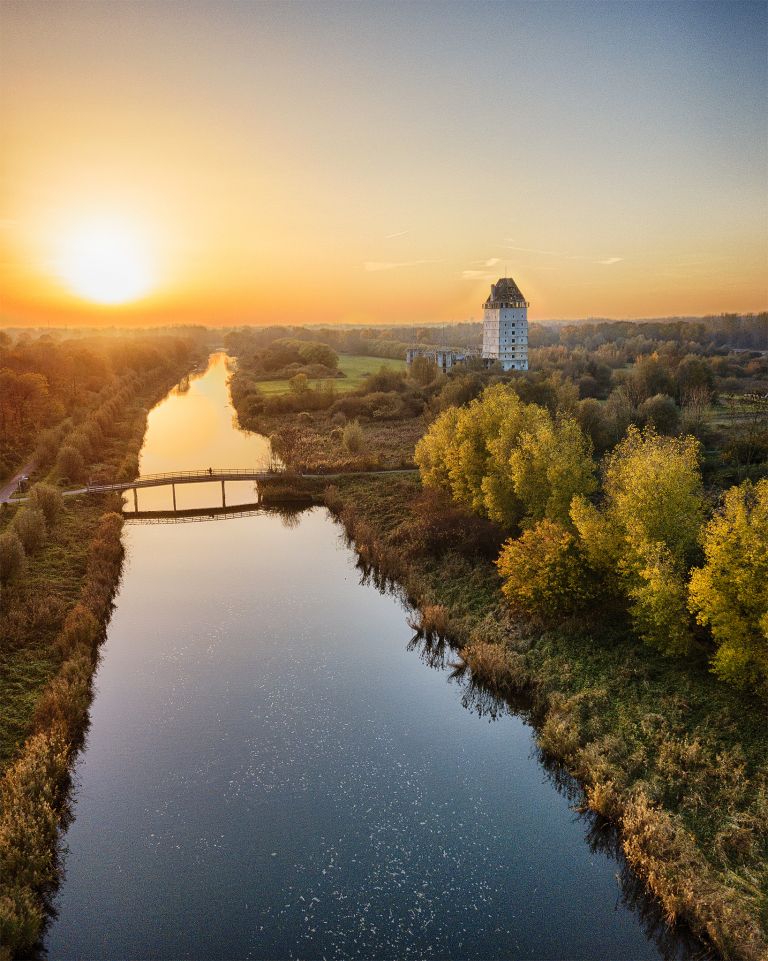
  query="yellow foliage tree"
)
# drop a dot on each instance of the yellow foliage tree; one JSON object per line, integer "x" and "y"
{"x": 646, "y": 532}
{"x": 729, "y": 593}
{"x": 507, "y": 460}
{"x": 543, "y": 573}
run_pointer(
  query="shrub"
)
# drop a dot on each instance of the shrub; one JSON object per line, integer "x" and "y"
{"x": 30, "y": 811}
{"x": 543, "y": 574}
{"x": 458, "y": 390}
{"x": 70, "y": 463}
{"x": 423, "y": 370}
{"x": 353, "y": 437}
{"x": 50, "y": 501}
{"x": 81, "y": 629}
{"x": 436, "y": 525}
{"x": 11, "y": 555}
{"x": 661, "y": 412}
{"x": 29, "y": 524}
{"x": 384, "y": 380}
{"x": 299, "y": 384}
{"x": 433, "y": 620}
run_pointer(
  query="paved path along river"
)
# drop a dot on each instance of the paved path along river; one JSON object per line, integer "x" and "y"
{"x": 273, "y": 770}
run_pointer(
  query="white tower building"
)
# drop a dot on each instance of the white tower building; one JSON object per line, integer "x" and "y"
{"x": 505, "y": 325}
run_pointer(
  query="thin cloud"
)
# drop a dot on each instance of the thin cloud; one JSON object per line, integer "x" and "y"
{"x": 556, "y": 253}
{"x": 375, "y": 265}
{"x": 491, "y": 262}
{"x": 477, "y": 275}
{"x": 535, "y": 250}
{"x": 400, "y": 233}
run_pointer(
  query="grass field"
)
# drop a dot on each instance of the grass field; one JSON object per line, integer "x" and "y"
{"x": 355, "y": 367}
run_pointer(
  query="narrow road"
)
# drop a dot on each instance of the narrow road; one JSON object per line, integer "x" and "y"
{"x": 11, "y": 485}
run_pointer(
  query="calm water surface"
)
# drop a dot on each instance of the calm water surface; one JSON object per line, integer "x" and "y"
{"x": 272, "y": 772}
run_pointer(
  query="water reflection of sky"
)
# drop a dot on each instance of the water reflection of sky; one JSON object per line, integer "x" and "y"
{"x": 272, "y": 771}
{"x": 193, "y": 429}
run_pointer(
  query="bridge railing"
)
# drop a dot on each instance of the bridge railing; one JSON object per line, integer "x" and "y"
{"x": 213, "y": 472}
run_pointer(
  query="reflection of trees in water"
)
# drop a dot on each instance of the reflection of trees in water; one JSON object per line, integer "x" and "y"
{"x": 440, "y": 653}
{"x": 290, "y": 517}
{"x": 432, "y": 649}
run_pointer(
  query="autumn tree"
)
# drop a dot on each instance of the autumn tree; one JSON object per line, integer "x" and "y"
{"x": 507, "y": 460}
{"x": 543, "y": 573}
{"x": 423, "y": 370}
{"x": 729, "y": 593}
{"x": 645, "y": 534}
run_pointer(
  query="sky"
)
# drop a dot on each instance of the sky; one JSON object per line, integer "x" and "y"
{"x": 231, "y": 163}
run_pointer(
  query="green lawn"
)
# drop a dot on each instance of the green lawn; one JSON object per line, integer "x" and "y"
{"x": 355, "y": 367}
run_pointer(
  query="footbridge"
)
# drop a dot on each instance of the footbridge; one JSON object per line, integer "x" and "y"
{"x": 170, "y": 479}
{"x": 210, "y": 475}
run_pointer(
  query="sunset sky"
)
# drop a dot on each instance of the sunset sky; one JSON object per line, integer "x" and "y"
{"x": 380, "y": 162}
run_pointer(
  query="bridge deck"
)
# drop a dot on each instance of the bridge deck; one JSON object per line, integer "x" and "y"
{"x": 181, "y": 477}
{"x": 209, "y": 474}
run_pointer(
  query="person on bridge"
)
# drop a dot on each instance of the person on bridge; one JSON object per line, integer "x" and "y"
{"x": 210, "y": 471}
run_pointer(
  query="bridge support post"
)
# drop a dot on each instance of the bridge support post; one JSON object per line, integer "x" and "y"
{"x": 223, "y": 495}
{"x": 136, "y": 500}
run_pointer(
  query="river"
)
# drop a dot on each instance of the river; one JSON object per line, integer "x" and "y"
{"x": 272, "y": 770}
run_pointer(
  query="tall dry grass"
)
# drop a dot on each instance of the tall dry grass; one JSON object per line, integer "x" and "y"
{"x": 34, "y": 789}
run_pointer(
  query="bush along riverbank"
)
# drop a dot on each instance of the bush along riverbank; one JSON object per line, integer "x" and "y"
{"x": 54, "y": 608}
{"x": 673, "y": 757}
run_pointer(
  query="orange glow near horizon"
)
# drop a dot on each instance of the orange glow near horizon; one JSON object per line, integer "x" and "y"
{"x": 321, "y": 163}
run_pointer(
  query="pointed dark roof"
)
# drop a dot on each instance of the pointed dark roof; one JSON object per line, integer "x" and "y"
{"x": 505, "y": 293}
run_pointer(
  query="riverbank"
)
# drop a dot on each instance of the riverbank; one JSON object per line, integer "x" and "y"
{"x": 675, "y": 760}
{"x": 54, "y": 619}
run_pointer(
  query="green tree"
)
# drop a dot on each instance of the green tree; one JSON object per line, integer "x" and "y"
{"x": 660, "y": 412}
{"x": 729, "y": 593}
{"x": 319, "y": 354}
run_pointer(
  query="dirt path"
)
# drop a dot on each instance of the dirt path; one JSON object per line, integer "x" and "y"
{"x": 11, "y": 485}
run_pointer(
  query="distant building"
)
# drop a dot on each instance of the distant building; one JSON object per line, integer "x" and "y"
{"x": 444, "y": 357}
{"x": 505, "y": 326}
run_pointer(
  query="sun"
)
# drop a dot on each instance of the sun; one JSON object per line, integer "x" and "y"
{"x": 105, "y": 262}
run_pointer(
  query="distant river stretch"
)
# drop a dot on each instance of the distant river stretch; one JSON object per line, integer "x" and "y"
{"x": 273, "y": 771}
